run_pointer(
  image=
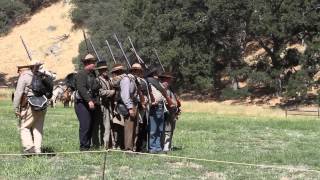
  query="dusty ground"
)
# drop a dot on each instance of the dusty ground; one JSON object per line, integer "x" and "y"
{"x": 43, "y": 35}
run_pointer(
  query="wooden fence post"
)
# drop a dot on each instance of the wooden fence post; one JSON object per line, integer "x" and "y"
{"x": 286, "y": 112}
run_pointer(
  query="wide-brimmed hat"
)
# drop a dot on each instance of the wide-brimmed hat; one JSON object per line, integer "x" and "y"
{"x": 136, "y": 66}
{"x": 29, "y": 64}
{"x": 166, "y": 75}
{"x": 102, "y": 65}
{"x": 117, "y": 67}
{"x": 153, "y": 72}
{"x": 88, "y": 57}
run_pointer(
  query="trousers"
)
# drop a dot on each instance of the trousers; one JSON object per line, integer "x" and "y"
{"x": 86, "y": 117}
{"x": 156, "y": 127}
{"x": 31, "y": 129}
{"x": 169, "y": 127}
{"x": 130, "y": 133}
{"x": 98, "y": 128}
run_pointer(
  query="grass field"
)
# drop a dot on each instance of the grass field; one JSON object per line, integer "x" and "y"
{"x": 264, "y": 140}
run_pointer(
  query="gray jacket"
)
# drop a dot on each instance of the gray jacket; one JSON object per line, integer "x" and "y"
{"x": 23, "y": 87}
{"x": 105, "y": 92}
{"x": 128, "y": 92}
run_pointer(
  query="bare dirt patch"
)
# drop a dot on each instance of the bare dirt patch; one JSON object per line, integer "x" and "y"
{"x": 214, "y": 176}
{"x": 191, "y": 165}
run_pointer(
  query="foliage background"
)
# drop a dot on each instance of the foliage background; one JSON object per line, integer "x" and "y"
{"x": 13, "y": 12}
{"x": 204, "y": 42}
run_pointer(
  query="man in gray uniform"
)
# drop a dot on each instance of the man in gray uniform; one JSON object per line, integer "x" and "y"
{"x": 126, "y": 104}
{"x": 171, "y": 114}
{"x": 31, "y": 121}
{"x": 143, "y": 107}
{"x": 106, "y": 94}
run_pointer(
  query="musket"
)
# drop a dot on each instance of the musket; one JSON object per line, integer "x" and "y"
{"x": 94, "y": 49}
{"x": 85, "y": 40}
{"x": 177, "y": 100}
{"x": 120, "y": 45}
{"x": 140, "y": 60}
{"x": 134, "y": 51}
{"x": 24, "y": 99}
{"x": 26, "y": 48}
{"x": 142, "y": 100}
{"x": 155, "y": 51}
{"x": 114, "y": 59}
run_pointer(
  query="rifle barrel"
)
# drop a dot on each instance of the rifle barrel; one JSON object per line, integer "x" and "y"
{"x": 94, "y": 49}
{"x": 85, "y": 40}
{"x": 158, "y": 59}
{"x": 26, "y": 48}
{"x": 114, "y": 59}
{"x": 135, "y": 52}
{"x": 120, "y": 45}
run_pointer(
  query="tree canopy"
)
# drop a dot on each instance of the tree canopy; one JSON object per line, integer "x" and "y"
{"x": 205, "y": 42}
{"x": 13, "y": 12}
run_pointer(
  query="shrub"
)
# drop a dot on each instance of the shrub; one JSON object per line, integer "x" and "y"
{"x": 229, "y": 93}
{"x": 11, "y": 12}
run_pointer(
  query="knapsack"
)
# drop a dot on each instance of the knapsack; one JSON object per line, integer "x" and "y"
{"x": 42, "y": 85}
{"x": 70, "y": 81}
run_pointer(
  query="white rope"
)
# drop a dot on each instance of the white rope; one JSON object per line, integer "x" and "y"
{"x": 177, "y": 157}
{"x": 54, "y": 153}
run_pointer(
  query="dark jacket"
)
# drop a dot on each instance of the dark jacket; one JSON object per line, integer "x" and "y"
{"x": 87, "y": 86}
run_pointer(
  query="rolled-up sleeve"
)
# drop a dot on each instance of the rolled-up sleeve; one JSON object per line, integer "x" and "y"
{"x": 125, "y": 92}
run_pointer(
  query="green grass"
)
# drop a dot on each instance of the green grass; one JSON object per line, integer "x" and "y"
{"x": 282, "y": 142}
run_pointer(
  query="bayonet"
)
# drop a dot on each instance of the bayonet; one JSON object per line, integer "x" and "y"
{"x": 155, "y": 51}
{"x": 114, "y": 59}
{"x": 85, "y": 40}
{"x": 94, "y": 49}
{"x": 120, "y": 45}
{"x": 135, "y": 52}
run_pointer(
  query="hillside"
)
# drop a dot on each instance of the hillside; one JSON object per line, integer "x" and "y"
{"x": 50, "y": 38}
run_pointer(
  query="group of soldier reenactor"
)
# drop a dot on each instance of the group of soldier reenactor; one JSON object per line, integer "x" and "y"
{"x": 127, "y": 109}
{"x": 130, "y": 109}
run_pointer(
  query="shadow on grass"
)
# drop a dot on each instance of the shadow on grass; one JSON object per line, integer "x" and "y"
{"x": 49, "y": 150}
{"x": 176, "y": 148}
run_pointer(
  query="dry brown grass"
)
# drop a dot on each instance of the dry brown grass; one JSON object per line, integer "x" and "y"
{"x": 217, "y": 108}
{"x": 5, "y": 93}
{"x": 230, "y": 109}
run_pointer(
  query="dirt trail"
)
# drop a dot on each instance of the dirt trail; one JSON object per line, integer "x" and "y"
{"x": 50, "y": 38}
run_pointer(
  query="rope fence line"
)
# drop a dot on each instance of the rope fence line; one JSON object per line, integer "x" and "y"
{"x": 176, "y": 157}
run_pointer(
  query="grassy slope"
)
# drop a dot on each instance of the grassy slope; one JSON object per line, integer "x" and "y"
{"x": 264, "y": 140}
{"x": 40, "y": 40}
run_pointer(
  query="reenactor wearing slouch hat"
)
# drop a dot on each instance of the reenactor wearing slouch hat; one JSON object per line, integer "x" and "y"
{"x": 156, "y": 117}
{"x": 86, "y": 100}
{"x": 143, "y": 107}
{"x": 31, "y": 120}
{"x": 171, "y": 114}
{"x": 126, "y": 106}
{"x": 106, "y": 94}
